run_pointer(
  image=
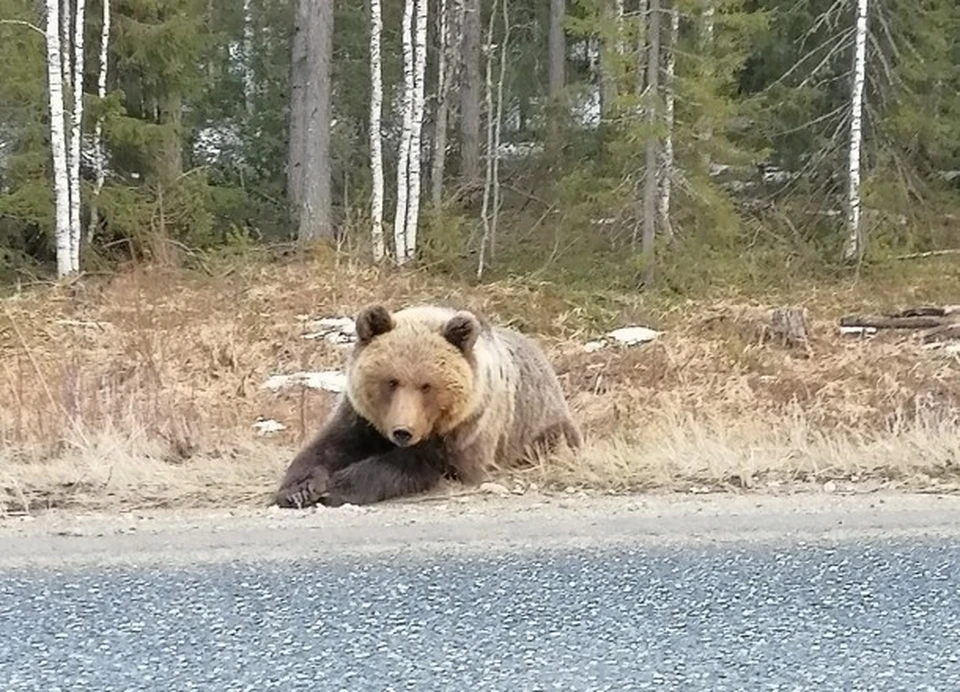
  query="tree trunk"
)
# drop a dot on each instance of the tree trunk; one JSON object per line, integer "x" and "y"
{"x": 403, "y": 155}
{"x": 444, "y": 83}
{"x": 556, "y": 63}
{"x": 853, "y": 249}
{"x": 416, "y": 131}
{"x": 98, "y": 128}
{"x": 315, "y": 206}
{"x": 470, "y": 90}
{"x": 248, "y": 75}
{"x": 297, "y": 115}
{"x": 75, "y": 135}
{"x": 376, "y": 142}
{"x": 61, "y": 182}
{"x": 669, "y": 98}
{"x": 651, "y": 163}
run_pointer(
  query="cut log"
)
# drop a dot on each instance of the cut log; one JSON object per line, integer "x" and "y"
{"x": 939, "y": 322}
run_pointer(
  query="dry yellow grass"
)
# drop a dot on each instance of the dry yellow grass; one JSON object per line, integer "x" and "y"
{"x": 141, "y": 389}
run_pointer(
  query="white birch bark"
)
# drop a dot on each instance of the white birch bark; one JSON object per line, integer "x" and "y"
{"x": 488, "y": 177}
{"x": 376, "y": 142}
{"x": 669, "y": 100}
{"x": 497, "y": 126}
{"x": 76, "y": 122}
{"x": 853, "y": 248}
{"x": 416, "y": 130}
{"x": 403, "y": 158}
{"x": 248, "y": 76}
{"x": 61, "y": 182}
{"x": 98, "y": 127}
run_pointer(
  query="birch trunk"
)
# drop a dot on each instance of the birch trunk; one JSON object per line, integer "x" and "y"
{"x": 488, "y": 178}
{"x": 98, "y": 127}
{"x": 416, "y": 131}
{"x": 853, "y": 249}
{"x": 376, "y": 141}
{"x": 652, "y": 169}
{"x": 75, "y": 135}
{"x": 669, "y": 99}
{"x": 403, "y": 157}
{"x": 706, "y": 50}
{"x": 248, "y": 76}
{"x": 61, "y": 182}
{"x": 556, "y": 63}
{"x": 497, "y": 125}
{"x": 444, "y": 84}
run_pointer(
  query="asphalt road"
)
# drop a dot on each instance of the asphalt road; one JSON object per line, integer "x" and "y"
{"x": 823, "y": 596}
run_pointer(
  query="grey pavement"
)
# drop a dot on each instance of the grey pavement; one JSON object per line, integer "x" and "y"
{"x": 875, "y": 609}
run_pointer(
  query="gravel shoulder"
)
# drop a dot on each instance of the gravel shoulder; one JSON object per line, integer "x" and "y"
{"x": 474, "y": 523}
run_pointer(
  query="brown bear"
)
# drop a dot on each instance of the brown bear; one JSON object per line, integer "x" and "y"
{"x": 431, "y": 392}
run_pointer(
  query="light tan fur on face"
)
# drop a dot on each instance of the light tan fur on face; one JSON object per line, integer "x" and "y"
{"x": 412, "y": 377}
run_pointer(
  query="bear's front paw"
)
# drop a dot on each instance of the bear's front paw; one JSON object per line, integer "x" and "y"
{"x": 343, "y": 489}
{"x": 304, "y": 492}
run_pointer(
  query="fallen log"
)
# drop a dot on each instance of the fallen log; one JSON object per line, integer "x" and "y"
{"x": 940, "y": 322}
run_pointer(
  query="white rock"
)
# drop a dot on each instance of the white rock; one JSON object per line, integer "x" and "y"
{"x": 829, "y": 487}
{"x": 592, "y": 346}
{"x": 493, "y": 489}
{"x": 267, "y": 426}
{"x": 630, "y": 336}
{"x": 335, "y": 330}
{"x": 326, "y": 380}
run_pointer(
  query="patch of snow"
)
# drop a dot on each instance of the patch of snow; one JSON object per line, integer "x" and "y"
{"x": 326, "y": 380}
{"x": 631, "y": 336}
{"x": 267, "y": 426}
{"x": 334, "y": 330}
{"x": 625, "y": 336}
{"x": 863, "y": 331}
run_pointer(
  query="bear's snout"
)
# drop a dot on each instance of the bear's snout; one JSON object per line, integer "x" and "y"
{"x": 402, "y": 436}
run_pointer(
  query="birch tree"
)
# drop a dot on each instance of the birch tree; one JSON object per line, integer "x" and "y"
{"x": 403, "y": 156}
{"x": 376, "y": 140}
{"x": 556, "y": 73}
{"x": 853, "y": 249}
{"x": 491, "y": 210}
{"x": 416, "y": 130}
{"x": 58, "y": 141}
{"x": 98, "y": 126}
{"x": 248, "y": 75}
{"x": 651, "y": 164}
{"x": 669, "y": 99}
{"x": 76, "y": 133}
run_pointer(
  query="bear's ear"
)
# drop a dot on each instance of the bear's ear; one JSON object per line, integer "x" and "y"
{"x": 462, "y": 330}
{"x": 372, "y": 322}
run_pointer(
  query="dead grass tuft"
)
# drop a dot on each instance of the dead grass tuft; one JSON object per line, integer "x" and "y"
{"x": 141, "y": 389}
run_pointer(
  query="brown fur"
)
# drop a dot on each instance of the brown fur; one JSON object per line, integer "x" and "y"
{"x": 430, "y": 391}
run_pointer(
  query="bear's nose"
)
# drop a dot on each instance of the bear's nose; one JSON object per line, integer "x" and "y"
{"x": 402, "y": 436}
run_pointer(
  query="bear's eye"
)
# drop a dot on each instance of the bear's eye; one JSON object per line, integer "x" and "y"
{"x": 393, "y": 384}
{"x": 425, "y": 388}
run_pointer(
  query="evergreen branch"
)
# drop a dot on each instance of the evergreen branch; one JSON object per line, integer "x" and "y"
{"x": 28, "y": 25}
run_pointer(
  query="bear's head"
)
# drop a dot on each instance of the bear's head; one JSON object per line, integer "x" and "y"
{"x": 413, "y": 373}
